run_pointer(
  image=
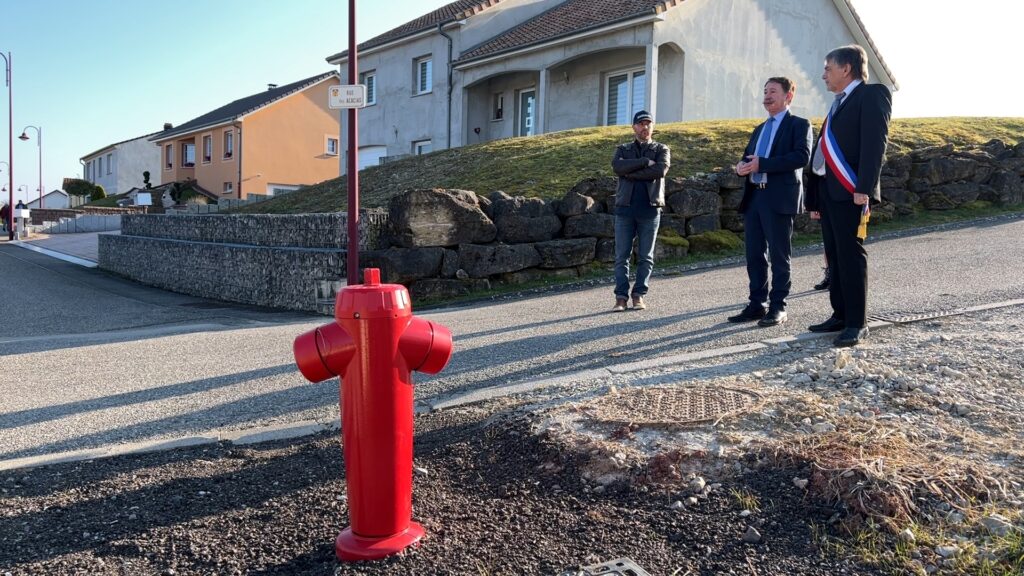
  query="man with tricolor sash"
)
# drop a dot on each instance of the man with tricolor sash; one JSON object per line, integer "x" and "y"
{"x": 846, "y": 166}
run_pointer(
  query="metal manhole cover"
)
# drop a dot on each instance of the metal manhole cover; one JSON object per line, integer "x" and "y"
{"x": 672, "y": 405}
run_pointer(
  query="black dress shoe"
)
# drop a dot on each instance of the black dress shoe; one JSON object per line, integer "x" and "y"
{"x": 826, "y": 281}
{"x": 748, "y": 314}
{"x": 833, "y": 324}
{"x": 850, "y": 337}
{"x": 773, "y": 318}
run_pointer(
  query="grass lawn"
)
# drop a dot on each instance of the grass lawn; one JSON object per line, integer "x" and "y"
{"x": 548, "y": 165}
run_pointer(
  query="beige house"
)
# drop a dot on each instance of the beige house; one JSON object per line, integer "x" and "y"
{"x": 266, "y": 143}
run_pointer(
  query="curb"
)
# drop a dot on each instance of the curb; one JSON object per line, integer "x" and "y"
{"x": 54, "y": 254}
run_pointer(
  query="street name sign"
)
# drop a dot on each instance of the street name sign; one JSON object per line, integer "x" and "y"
{"x": 347, "y": 96}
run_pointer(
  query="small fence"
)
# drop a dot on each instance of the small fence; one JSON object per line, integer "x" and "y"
{"x": 83, "y": 223}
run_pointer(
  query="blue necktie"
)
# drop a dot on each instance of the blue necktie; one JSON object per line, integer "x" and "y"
{"x": 762, "y": 147}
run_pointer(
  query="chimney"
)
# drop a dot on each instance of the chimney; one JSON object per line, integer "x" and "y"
{"x": 168, "y": 125}
{"x": 271, "y": 87}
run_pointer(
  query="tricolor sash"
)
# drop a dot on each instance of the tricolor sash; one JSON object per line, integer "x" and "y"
{"x": 843, "y": 172}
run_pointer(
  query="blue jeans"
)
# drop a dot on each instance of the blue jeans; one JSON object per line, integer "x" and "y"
{"x": 645, "y": 230}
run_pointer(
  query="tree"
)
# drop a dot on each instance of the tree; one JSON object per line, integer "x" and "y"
{"x": 98, "y": 193}
{"x": 79, "y": 187}
{"x": 145, "y": 179}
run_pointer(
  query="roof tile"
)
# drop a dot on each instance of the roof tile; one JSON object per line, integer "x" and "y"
{"x": 241, "y": 106}
{"x": 447, "y": 13}
{"x": 568, "y": 18}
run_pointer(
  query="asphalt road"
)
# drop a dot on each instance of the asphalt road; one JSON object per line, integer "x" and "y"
{"x": 91, "y": 360}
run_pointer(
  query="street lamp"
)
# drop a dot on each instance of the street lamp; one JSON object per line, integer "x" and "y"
{"x": 10, "y": 139}
{"x": 39, "y": 142}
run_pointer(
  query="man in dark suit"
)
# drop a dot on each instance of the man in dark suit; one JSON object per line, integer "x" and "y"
{"x": 846, "y": 167}
{"x": 773, "y": 165}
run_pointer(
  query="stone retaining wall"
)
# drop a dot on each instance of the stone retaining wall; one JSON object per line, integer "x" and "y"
{"x": 282, "y": 261}
{"x": 444, "y": 243}
{"x": 259, "y": 275}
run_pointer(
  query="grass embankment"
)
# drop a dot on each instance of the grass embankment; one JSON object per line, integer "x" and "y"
{"x": 548, "y": 165}
{"x": 107, "y": 202}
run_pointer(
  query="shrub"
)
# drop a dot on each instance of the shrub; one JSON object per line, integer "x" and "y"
{"x": 79, "y": 187}
{"x": 98, "y": 193}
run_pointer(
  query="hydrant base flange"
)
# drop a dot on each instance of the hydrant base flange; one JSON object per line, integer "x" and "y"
{"x": 352, "y": 548}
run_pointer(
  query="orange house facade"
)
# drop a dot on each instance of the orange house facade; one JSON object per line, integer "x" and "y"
{"x": 267, "y": 143}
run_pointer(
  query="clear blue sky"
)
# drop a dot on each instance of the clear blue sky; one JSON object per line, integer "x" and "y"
{"x": 97, "y": 72}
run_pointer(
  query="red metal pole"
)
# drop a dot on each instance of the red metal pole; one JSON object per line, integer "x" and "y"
{"x": 39, "y": 135}
{"x": 352, "y": 256}
{"x": 10, "y": 149}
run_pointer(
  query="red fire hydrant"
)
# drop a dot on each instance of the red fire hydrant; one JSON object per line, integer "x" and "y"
{"x": 374, "y": 344}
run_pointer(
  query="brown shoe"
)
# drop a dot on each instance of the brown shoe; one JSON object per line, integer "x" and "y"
{"x": 638, "y": 303}
{"x": 620, "y": 305}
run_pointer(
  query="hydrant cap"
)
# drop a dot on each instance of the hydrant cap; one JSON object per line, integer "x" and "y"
{"x": 373, "y": 299}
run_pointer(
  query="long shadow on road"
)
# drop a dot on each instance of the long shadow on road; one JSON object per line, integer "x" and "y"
{"x": 273, "y": 405}
{"x": 49, "y": 413}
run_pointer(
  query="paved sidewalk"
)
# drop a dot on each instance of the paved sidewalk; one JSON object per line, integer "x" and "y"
{"x": 85, "y": 245}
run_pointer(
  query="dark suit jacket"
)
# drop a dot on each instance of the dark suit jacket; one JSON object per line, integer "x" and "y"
{"x": 784, "y": 165}
{"x": 861, "y": 128}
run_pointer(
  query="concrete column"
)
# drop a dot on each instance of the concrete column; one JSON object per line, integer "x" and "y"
{"x": 651, "y": 80}
{"x": 460, "y": 132}
{"x": 540, "y": 123}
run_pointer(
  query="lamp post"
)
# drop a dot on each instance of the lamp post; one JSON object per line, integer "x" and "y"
{"x": 10, "y": 207}
{"x": 39, "y": 143}
{"x": 10, "y": 141}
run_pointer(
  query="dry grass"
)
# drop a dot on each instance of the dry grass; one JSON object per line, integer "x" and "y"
{"x": 882, "y": 473}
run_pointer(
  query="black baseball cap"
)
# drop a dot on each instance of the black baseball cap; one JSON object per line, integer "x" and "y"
{"x": 641, "y": 116}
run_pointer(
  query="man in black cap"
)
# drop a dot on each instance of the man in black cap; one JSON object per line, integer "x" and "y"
{"x": 641, "y": 166}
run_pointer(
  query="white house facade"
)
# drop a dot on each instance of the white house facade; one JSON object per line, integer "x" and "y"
{"x": 119, "y": 167}
{"x": 474, "y": 71}
{"x": 52, "y": 199}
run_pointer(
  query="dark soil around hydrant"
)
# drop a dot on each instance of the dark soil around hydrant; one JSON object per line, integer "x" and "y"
{"x": 493, "y": 496}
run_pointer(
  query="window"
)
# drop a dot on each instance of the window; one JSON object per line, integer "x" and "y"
{"x": 499, "y": 107}
{"x": 626, "y": 93}
{"x": 370, "y": 80}
{"x": 188, "y": 154}
{"x": 229, "y": 188}
{"x": 332, "y": 146}
{"x": 207, "y": 149}
{"x": 229, "y": 143}
{"x": 110, "y": 162}
{"x": 421, "y": 147}
{"x": 99, "y": 172}
{"x": 168, "y": 156}
{"x": 424, "y": 75}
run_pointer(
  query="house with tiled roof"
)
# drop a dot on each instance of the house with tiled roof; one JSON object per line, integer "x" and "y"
{"x": 119, "y": 166}
{"x": 479, "y": 70}
{"x": 269, "y": 142}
